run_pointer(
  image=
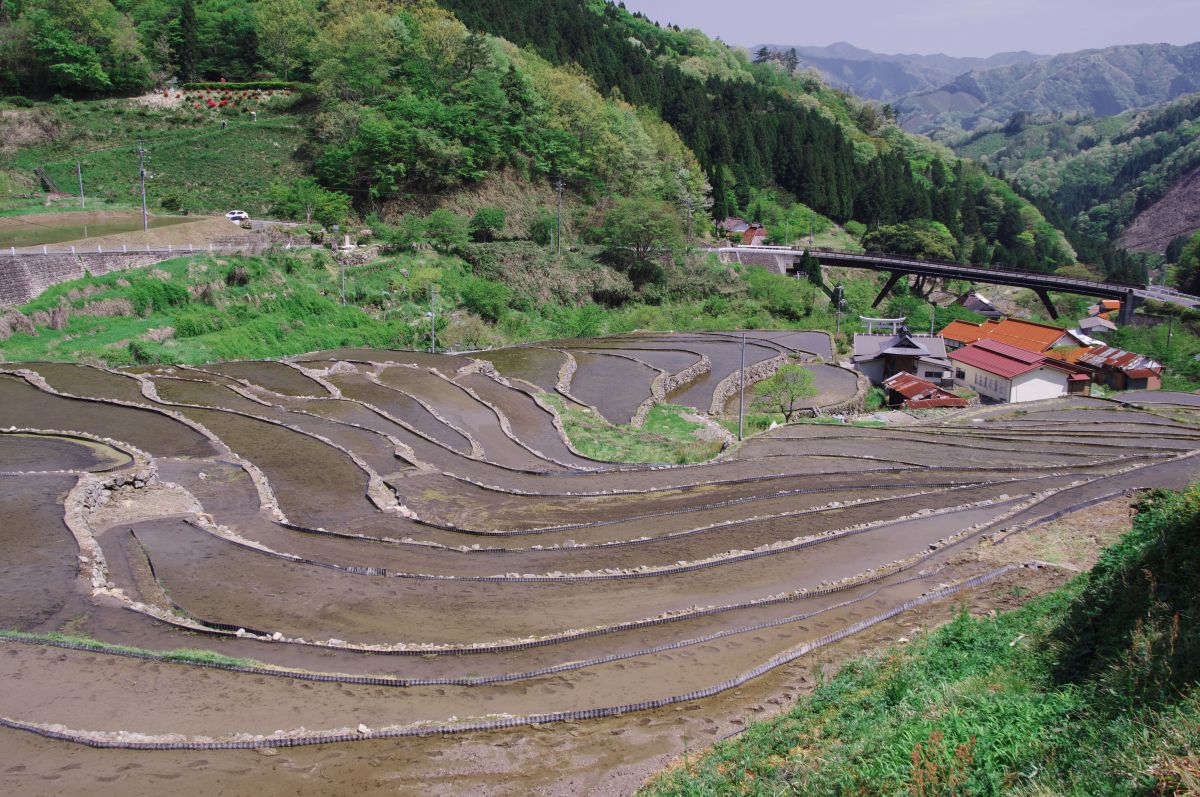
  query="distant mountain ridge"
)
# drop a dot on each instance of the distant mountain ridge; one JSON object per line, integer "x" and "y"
{"x": 1099, "y": 83}
{"x": 940, "y": 95}
{"x": 885, "y": 77}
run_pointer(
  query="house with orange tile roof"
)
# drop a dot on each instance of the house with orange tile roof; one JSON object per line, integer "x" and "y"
{"x": 1028, "y": 335}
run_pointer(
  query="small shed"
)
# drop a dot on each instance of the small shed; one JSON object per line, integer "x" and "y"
{"x": 915, "y": 393}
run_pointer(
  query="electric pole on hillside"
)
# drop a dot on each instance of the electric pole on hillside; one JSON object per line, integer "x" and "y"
{"x": 559, "y": 187}
{"x": 810, "y": 226}
{"x": 433, "y": 319}
{"x": 79, "y": 174}
{"x": 142, "y": 175}
{"x": 742, "y": 388}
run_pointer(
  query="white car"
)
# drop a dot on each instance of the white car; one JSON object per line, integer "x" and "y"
{"x": 237, "y": 216}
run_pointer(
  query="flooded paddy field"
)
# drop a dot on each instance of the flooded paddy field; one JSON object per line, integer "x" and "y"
{"x": 401, "y": 550}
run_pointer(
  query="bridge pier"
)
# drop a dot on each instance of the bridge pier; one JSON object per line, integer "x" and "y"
{"x": 1129, "y": 305}
{"x": 1044, "y": 295}
{"x": 887, "y": 288}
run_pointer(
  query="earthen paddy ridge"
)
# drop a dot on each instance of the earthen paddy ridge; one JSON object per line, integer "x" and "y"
{"x": 402, "y": 553}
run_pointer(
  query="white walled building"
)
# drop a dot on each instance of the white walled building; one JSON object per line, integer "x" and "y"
{"x": 1001, "y": 372}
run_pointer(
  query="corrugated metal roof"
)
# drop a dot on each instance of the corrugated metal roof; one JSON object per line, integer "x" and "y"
{"x": 1112, "y": 357}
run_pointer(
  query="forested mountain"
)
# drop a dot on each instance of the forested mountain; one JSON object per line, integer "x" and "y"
{"x": 422, "y": 101}
{"x": 881, "y": 77}
{"x": 1103, "y": 82}
{"x": 1123, "y": 177}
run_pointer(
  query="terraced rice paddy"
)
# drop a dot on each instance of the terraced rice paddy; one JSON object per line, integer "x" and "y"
{"x": 395, "y": 544}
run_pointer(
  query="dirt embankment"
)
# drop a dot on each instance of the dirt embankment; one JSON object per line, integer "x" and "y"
{"x": 1177, "y": 213}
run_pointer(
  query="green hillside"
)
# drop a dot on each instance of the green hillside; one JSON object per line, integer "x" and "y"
{"x": 1102, "y": 172}
{"x": 405, "y": 109}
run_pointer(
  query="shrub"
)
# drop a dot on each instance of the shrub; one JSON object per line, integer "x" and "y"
{"x": 486, "y": 223}
{"x": 485, "y": 298}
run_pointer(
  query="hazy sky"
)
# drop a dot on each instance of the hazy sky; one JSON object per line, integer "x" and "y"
{"x": 954, "y": 27}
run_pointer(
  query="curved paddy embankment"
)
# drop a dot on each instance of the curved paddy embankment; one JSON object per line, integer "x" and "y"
{"x": 359, "y": 544}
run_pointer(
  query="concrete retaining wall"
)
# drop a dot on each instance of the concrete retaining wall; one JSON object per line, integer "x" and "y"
{"x": 26, "y": 275}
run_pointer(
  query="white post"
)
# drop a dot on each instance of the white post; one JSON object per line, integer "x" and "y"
{"x": 99, "y": 248}
{"x": 210, "y": 247}
{"x": 43, "y": 250}
{"x": 72, "y": 250}
{"x": 124, "y": 248}
{"x": 190, "y": 247}
{"x": 168, "y": 247}
{"x": 13, "y": 250}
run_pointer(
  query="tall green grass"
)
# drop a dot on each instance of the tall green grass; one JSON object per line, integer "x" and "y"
{"x": 666, "y": 437}
{"x": 1090, "y": 690}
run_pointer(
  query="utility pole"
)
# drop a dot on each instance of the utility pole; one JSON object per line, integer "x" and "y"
{"x": 810, "y": 227}
{"x": 79, "y": 174}
{"x": 559, "y": 187}
{"x": 433, "y": 319}
{"x": 742, "y": 389}
{"x": 142, "y": 176}
{"x": 688, "y": 204}
{"x": 1170, "y": 330}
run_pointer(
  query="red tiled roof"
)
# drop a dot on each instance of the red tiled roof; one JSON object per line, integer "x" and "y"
{"x": 1013, "y": 331}
{"x": 963, "y": 331}
{"x": 1000, "y": 358}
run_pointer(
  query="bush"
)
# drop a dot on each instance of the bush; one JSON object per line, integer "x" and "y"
{"x": 541, "y": 228}
{"x": 446, "y": 230}
{"x": 485, "y": 298}
{"x": 486, "y": 223}
{"x": 876, "y": 399}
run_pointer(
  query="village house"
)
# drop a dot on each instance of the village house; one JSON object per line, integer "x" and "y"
{"x": 1115, "y": 368}
{"x": 978, "y": 303}
{"x": 915, "y": 393}
{"x": 1028, "y": 335}
{"x": 879, "y": 356}
{"x": 754, "y": 235}
{"x": 1002, "y": 372}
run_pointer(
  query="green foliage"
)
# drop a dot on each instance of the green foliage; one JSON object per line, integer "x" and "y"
{"x": 487, "y": 299}
{"x": 1089, "y": 690}
{"x": 666, "y": 437}
{"x": 875, "y": 400}
{"x": 487, "y": 223}
{"x": 636, "y": 231}
{"x": 303, "y": 199}
{"x": 83, "y": 47}
{"x": 780, "y": 392}
{"x": 925, "y": 240}
{"x": 782, "y": 296}
{"x": 541, "y": 227}
{"x": 446, "y": 230}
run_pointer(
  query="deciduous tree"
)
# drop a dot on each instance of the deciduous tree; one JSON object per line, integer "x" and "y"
{"x": 790, "y": 385}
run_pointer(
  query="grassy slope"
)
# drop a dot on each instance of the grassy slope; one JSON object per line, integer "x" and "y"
{"x": 194, "y": 165}
{"x": 1087, "y": 691}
